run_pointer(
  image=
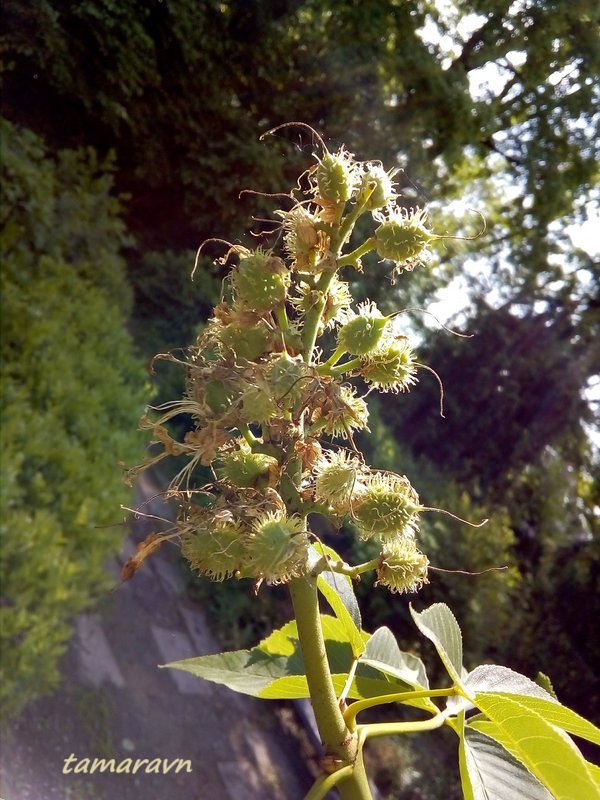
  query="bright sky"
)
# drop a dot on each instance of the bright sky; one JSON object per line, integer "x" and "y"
{"x": 585, "y": 236}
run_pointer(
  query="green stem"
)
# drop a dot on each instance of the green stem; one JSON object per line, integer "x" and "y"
{"x": 339, "y": 742}
{"x": 313, "y": 317}
{"x": 390, "y": 728}
{"x": 345, "y": 569}
{"x": 325, "y": 783}
{"x": 348, "y": 224}
{"x": 282, "y": 318}
{"x": 247, "y": 434}
{"x": 334, "y": 358}
{"x": 400, "y": 697}
{"x": 340, "y": 369}
{"x": 351, "y": 259}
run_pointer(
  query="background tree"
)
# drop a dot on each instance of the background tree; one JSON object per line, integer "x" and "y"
{"x": 489, "y": 101}
{"x": 71, "y": 393}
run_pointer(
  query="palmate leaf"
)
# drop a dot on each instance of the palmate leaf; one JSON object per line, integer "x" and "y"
{"x": 489, "y": 772}
{"x": 439, "y": 625}
{"x": 548, "y": 753}
{"x": 337, "y": 590}
{"x": 503, "y": 681}
{"x": 383, "y": 653}
{"x": 274, "y": 669}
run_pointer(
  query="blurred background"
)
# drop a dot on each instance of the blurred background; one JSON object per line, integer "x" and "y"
{"x": 129, "y": 129}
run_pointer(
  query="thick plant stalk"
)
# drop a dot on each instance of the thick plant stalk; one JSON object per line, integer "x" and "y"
{"x": 340, "y": 744}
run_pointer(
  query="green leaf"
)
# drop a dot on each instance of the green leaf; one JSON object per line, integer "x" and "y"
{"x": 561, "y": 717}
{"x": 274, "y": 669}
{"x": 503, "y": 681}
{"x": 495, "y": 678}
{"x": 464, "y": 764}
{"x": 489, "y": 772}
{"x": 594, "y": 771}
{"x": 337, "y": 590}
{"x": 282, "y": 641}
{"x": 295, "y": 686}
{"x": 439, "y": 625}
{"x": 544, "y": 681}
{"x": 243, "y": 671}
{"x": 383, "y": 653}
{"x": 547, "y": 752}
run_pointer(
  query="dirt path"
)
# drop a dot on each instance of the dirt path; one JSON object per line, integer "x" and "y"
{"x": 116, "y": 704}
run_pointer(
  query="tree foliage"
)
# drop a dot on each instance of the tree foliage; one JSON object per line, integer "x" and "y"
{"x": 71, "y": 390}
{"x": 513, "y": 389}
{"x": 181, "y": 88}
{"x": 490, "y": 101}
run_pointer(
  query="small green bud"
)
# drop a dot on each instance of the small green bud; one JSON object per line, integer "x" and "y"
{"x": 364, "y": 332}
{"x": 219, "y": 395}
{"x": 339, "y": 478}
{"x": 387, "y": 508}
{"x": 383, "y": 192}
{"x": 390, "y": 367}
{"x": 277, "y": 548}
{"x": 403, "y": 568}
{"x": 260, "y": 282}
{"x": 246, "y": 469}
{"x": 336, "y": 176}
{"x": 247, "y": 343}
{"x": 258, "y": 405}
{"x": 403, "y": 237}
{"x": 304, "y": 242}
{"x": 287, "y": 378}
{"x": 342, "y": 413}
{"x": 214, "y": 548}
{"x": 338, "y": 300}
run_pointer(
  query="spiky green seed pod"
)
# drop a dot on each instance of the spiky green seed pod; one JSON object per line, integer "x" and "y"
{"x": 288, "y": 379}
{"x": 387, "y": 508}
{"x": 302, "y": 238}
{"x": 390, "y": 367}
{"x": 215, "y": 549}
{"x": 336, "y": 176}
{"x": 338, "y": 300}
{"x": 344, "y": 412}
{"x": 277, "y": 548}
{"x": 339, "y": 479}
{"x": 246, "y": 469}
{"x": 248, "y": 343}
{"x": 383, "y": 192}
{"x": 260, "y": 282}
{"x": 219, "y": 395}
{"x": 257, "y": 405}
{"x": 364, "y": 332}
{"x": 403, "y": 237}
{"x": 403, "y": 568}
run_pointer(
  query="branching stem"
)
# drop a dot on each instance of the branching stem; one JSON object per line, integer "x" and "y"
{"x": 353, "y": 710}
{"x": 339, "y": 742}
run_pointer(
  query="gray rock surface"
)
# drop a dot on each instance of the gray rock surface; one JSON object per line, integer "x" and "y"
{"x": 115, "y": 703}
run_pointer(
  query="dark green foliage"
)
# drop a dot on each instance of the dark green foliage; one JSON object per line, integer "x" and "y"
{"x": 554, "y": 515}
{"x": 181, "y": 90}
{"x": 71, "y": 393}
{"x": 483, "y": 602}
{"x": 511, "y": 391}
{"x": 168, "y": 310}
{"x": 513, "y": 435}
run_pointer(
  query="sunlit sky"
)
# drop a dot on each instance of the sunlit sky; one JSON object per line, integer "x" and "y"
{"x": 585, "y": 235}
{"x": 491, "y": 77}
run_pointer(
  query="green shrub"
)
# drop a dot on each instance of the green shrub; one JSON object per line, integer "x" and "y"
{"x": 71, "y": 388}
